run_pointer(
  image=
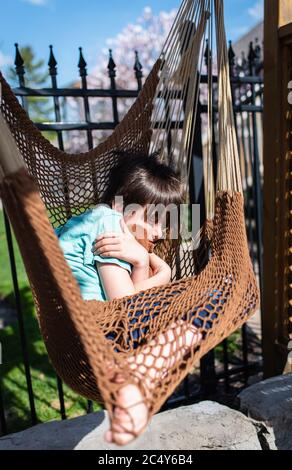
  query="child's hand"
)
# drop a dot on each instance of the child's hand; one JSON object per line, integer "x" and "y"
{"x": 159, "y": 265}
{"x": 121, "y": 245}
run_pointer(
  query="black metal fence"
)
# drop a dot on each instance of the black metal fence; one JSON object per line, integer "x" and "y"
{"x": 221, "y": 375}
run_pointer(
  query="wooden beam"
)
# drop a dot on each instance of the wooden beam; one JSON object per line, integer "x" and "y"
{"x": 277, "y": 145}
{"x": 285, "y": 12}
{"x": 270, "y": 152}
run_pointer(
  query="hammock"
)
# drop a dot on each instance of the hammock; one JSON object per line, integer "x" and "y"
{"x": 42, "y": 186}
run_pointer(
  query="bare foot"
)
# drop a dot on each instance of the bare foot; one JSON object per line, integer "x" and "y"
{"x": 149, "y": 366}
{"x": 130, "y": 414}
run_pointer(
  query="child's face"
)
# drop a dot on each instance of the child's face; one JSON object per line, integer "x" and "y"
{"x": 146, "y": 225}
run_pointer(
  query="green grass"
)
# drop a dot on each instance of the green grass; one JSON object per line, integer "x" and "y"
{"x": 12, "y": 377}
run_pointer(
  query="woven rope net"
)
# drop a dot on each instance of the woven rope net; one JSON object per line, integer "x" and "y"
{"x": 213, "y": 290}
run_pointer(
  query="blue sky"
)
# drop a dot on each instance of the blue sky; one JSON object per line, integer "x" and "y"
{"x": 68, "y": 24}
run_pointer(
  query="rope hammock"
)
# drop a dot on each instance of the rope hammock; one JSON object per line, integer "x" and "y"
{"x": 42, "y": 187}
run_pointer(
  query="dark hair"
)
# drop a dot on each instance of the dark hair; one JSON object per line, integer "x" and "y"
{"x": 143, "y": 179}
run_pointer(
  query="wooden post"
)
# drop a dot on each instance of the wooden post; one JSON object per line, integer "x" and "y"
{"x": 285, "y": 12}
{"x": 277, "y": 122}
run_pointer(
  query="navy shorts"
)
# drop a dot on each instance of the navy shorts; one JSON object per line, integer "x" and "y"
{"x": 200, "y": 319}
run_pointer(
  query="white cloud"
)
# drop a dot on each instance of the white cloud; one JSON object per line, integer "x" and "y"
{"x": 5, "y": 60}
{"x": 36, "y": 2}
{"x": 257, "y": 11}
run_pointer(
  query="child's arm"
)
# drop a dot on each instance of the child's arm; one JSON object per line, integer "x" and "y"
{"x": 161, "y": 274}
{"x": 140, "y": 271}
{"x": 117, "y": 281}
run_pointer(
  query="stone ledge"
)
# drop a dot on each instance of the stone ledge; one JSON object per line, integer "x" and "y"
{"x": 206, "y": 425}
{"x": 270, "y": 402}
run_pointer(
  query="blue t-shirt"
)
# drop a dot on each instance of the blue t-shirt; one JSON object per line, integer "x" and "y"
{"x": 77, "y": 237}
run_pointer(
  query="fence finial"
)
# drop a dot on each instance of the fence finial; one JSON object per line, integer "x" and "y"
{"x": 18, "y": 62}
{"x": 111, "y": 65}
{"x": 82, "y": 64}
{"x": 52, "y": 63}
